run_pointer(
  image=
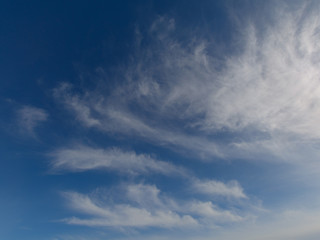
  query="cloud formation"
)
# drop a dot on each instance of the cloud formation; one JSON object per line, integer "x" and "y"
{"x": 259, "y": 102}
{"x": 83, "y": 158}
{"x": 217, "y": 188}
{"x": 109, "y": 114}
{"x": 123, "y": 215}
{"x": 29, "y": 118}
{"x": 185, "y": 96}
{"x": 146, "y": 207}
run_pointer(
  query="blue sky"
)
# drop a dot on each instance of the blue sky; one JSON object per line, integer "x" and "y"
{"x": 159, "y": 120}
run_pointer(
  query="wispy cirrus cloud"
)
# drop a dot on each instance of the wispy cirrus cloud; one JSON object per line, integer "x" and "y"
{"x": 146, "y": 207}
{"x": 124, "y": 215}
{"x": 185, "y": 96}
{"x": 29, "y": 118}
{"x": 110, "y": 115}
{"x": 82, "y": 158}
{"x": 261, "y": 102}
{"x": 285, "y": 225}
{"x": 216, "y": 188}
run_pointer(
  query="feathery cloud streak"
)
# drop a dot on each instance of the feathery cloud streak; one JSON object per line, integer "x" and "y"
{"x": 267, "y": 93}
{"x": 29, "y": 118}
{"x": 216, "y": 188}
{"x": 146, "y": 207}
{"x": 84, "y": 158}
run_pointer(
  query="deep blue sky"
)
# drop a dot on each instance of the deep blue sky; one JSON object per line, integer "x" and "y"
{"x": 159, "y": 120}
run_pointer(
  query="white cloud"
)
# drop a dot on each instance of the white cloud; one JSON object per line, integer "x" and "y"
{"x": 124, "y": 215}
{"x": 29, "y": 118}
{"x": 273, "y": 84}
{"x": 285, "y": 225}
{"x": 217, "y": 188}
{"x": 83, "y": 158}
{"x": 145, "y": 195}
{"x": 145, "y": 206}
{"x": 75, "y": 104}
{"x": 186, "y": 96}
{"x": 209, "y": 212}
{"x": 262, "y": 102}
{"x": 112, "y": 117}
